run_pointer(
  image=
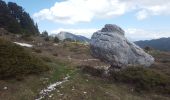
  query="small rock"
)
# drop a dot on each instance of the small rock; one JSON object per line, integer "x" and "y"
{"x": 5, "y": 88}
{"x": 73, "y": 88}
{"x": 55, "y": 44}
{"x": 50, "y": 95}
{"x": 85, "y": 92}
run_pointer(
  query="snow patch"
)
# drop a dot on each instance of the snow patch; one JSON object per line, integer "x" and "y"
{"x": 24, "y": 44}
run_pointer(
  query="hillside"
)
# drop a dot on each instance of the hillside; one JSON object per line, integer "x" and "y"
{"x": 75, "y": 75}
{"x": 66, "y": 66}
{"x": 162, "y": 44}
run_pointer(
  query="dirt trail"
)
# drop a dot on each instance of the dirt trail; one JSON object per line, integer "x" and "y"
{"x": 46, "y": 92}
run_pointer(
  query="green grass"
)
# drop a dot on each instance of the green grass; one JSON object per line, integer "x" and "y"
{"x": 123, "y": 87}
{"x": 59, "y": 70}
{"x": 98, "y": 89}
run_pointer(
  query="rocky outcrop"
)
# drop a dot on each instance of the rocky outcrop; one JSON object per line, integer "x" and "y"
{"x": 109, "y": 44}
{"x": 67, "y": 35}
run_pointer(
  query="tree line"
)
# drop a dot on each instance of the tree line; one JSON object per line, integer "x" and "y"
{"x": 14, "y": 19}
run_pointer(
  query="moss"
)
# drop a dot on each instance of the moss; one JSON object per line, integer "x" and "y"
{"x": 15, "y": 61}
{"x": 143, "y": 79}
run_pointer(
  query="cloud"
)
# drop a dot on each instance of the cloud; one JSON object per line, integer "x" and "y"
{"x": 139, "y": 34}
{"x": 76, "y": 11}
{"x": 152, "y": 10}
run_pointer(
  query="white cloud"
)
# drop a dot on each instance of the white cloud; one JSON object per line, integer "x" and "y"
{"x": 142, "y": 15}
{"x": 139, "y": 34}
{"x": 75, "y": 11}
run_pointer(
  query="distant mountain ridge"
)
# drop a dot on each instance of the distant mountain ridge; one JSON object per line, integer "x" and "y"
{"x": 67, "y": 35}
{"x": 162, "y": 44}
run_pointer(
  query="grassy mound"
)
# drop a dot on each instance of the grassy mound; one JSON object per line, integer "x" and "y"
{"x": 15, "y": 61}
{"x": 143, "y": 79}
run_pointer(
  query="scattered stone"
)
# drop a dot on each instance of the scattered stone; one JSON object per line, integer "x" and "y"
{"x": 85, "y": 92}
{"x": 61, "y": 94}
{"x": 55, "y": 44}
{"x": 62, "y": 87}
{"x": 5, "y": 88}
{"x": 50, "y": 96}
{"x": 110, "y": 45}
{"x": 45, "y": 92}
{"x": 73, "y": 88}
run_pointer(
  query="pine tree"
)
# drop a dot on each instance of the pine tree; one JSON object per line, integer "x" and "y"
{"x": 6, "y": 20}
{"x": 44, "y": 34}
{"x": 14, "y": 19}
{"x": 56, "y": 39}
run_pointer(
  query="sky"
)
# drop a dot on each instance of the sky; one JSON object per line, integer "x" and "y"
{"x": 141, "y": 19}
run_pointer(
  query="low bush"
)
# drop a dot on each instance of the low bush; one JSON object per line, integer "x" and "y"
{"x": 37, "y": 50}
{"x": 15, "y": 61}
{"x": 47, "y": 39}
{"x": 55, "y": 54}
{"x": 93, "y": 71}
{"x": 27, "y": 37}
{"x": 46, "y": 59}
{"x": 143, "y": 79}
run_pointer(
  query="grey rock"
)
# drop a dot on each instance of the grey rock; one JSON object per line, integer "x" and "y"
{"x": 110, "y": 45}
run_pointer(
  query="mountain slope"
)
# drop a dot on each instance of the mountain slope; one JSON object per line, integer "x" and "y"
{"x": 67, "y": 35}
{"x": 162, "y": 44}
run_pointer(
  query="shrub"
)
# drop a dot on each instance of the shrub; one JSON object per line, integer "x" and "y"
{"x": 55, "y": 54}
{"x": 37, "y": 50}
{"x": 68, "y": 40}
{"x": 15, "y": 61}
{"x": 47, "y": 38}
{"x": 46, "y": 59}
{"x": 27, "y": 37}
{"x": 143, "y": 79}
{"x": 147, "y": 48}
{"x": 93, "y": 71}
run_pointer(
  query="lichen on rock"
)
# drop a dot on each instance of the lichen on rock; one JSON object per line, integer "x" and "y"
{"x": 110, "y": 45}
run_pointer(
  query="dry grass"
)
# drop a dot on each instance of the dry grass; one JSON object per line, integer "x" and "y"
{"x": 80, "y": 86}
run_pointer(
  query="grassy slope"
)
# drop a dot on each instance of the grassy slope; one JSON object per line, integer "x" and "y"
{"x": 80, "y": 86}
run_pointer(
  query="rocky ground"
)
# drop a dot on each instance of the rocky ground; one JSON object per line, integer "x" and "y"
{"x": 65, "y": 79}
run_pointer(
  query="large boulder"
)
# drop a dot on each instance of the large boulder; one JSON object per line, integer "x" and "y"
{"x": 109, "y": 44}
